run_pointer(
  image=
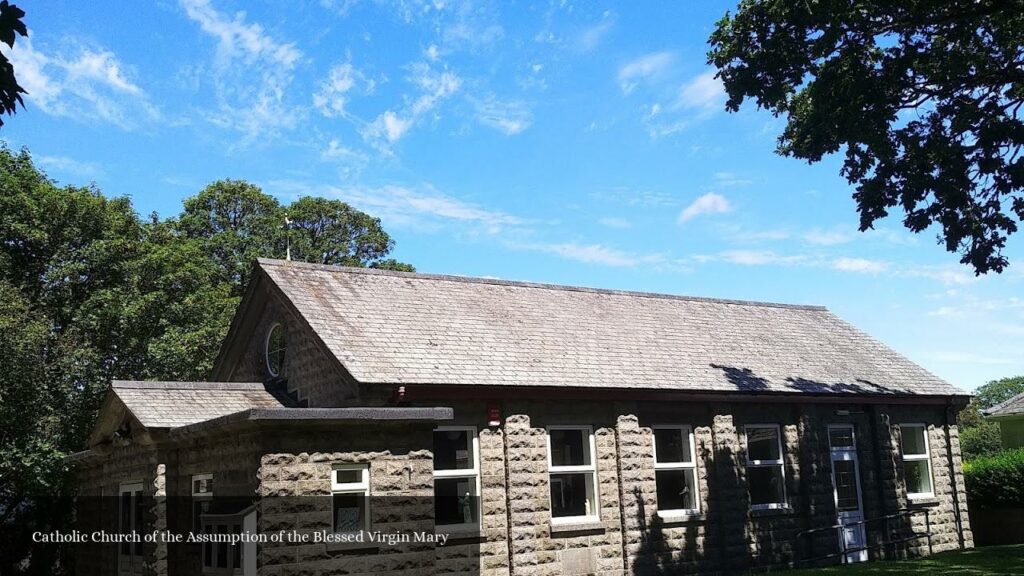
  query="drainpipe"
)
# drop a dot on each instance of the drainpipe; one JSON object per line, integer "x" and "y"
{"x": 952, "y": 476}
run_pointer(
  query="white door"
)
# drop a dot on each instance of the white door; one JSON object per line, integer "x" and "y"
{"x": 846, "y": 490}
{"x": 129, "y": 554}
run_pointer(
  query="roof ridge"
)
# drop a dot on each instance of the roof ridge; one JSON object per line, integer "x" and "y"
{"x": 523, "y": 284}
{"x": 167, "y": 385}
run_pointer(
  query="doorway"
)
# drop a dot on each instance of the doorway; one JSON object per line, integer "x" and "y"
{"x": 846, "y": 491}
{"x": 129, "y": 551}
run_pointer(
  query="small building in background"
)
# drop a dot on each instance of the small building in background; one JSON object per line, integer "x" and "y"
{"x": 1010, "y": 416}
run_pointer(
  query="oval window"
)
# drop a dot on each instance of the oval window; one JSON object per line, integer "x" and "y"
{"x": 275, "y": 350}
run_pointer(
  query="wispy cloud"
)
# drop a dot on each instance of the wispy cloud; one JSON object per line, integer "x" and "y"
{"x": 331, "y": 97}
{"x": 69, "y": 166}
{"x": 832, "y": 237}
{"x": 643, "y": 68}
{"x": 863, "y": 265}
{"x": 591, "y": 253}
{"x": 729, "y": 179}
{"x": 251, "y": 74}
{"x": 703, "y": 93}
{"x": 710, "y": 203}
{"x": 753, "y": 258}
{"x": 422, "y": 207}
{"x": 434, "y": 87}
{"x": 85, "y": 83}
{"x": 591, "y": 37}
{"x": 508, "y": 116}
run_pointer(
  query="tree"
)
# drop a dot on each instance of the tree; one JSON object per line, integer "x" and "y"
{"x": 236, "y": 223}
{"x": 10, "y": 26}
{"x": 925, "y": 97}
{"x": 89, "y": 292}
{"x": 979, "y": 436}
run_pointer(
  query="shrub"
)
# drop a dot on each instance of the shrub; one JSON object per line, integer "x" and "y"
{"x": 996, "y": 480}
{"x": 980, "y": 440}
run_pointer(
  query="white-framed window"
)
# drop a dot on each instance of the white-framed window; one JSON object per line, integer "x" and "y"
{"x": 350, "y": 497}
{"x": 675, "y": 470}
{"x": 917, "y": 462}
{"x": 456, "y": 477}
{"x": 766, "y": 471}
{"x": 572, "y": 473}
{"x": 202, "y": 498}
{"x": 274, "y": 349}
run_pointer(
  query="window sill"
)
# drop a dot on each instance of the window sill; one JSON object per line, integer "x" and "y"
{"x": 769, "y": 512}
{"x": 680, "y": 516}
{"x": 460, "y": 531}
{"x": 578, "y": 524}
{"x": 922, "y": 501}
{"x": 353, "y": 547}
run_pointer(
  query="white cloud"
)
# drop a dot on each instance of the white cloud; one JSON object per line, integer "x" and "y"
{"x": 828, "y": 237}
{"x": 755, "y": 257}
{"x": 252, "y": 72}
{"x": 710, "y": 203}
{"x": 614, "y": 222}
{"x": 643, "y": 68}
{"x": 435, "y": 86}
{"x": 88, "y": 84}
{"x": 591, "y": 253}
{"x": 704, "y": 93}
{"x": 510, "y": 117}
{"x": 332, "y": 96}
{"x": 423, "y": 208}
{"x": 69, "y": 166}
{"x": 861, "y": 265}
{"x": 726, "y": 179}
{"x": 592, "y": 36}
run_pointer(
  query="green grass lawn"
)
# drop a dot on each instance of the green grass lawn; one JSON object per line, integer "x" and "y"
{"x": 988, "y": 561}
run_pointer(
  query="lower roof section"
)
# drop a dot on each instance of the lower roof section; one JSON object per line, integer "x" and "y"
{"x": 359, "y": 414}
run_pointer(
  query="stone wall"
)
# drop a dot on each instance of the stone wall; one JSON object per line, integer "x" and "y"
{"x": 289, "y": 468}
{"x": 100, "y": 478}
{"x": 295, "y": 487}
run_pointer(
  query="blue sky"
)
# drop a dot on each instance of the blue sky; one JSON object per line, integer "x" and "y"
{"x": 567, "y": 142}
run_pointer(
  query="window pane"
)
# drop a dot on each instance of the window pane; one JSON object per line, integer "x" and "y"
{"x": 763, "y": 444}
{"x": 349, "y": 512}
{"x": 348, "y": 476}
{"x": 765, "y": 485}
{"x": 671, "y": 445}
{"x": 137, "y": 521}
{"x": 918, "y": 480}
{"x": 675, "y": 489}
{"x": 913, "y": 440}
{"x": 840, "y": 437}
{"x": 236, "y": 558}
{"x": 455, "y": 501}
{"x": 276, "y": 350}
{"x": 126, "y": 521}
{"x": 202, "y": 486}
{"x": 569, "y": 495}
{"x": 845, "y": 479}
{"x": 570, "y": 448}
{"x": 452, "y": 450}
{"x": 222, "y": 548}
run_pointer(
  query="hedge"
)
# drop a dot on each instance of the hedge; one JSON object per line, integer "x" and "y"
{"x": 996, "y": 480}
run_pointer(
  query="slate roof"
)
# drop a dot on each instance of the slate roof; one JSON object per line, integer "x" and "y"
{"x": 1012, "y": 407}
{"x": 173, "y": 404}
{"x": 407, "y": 328}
